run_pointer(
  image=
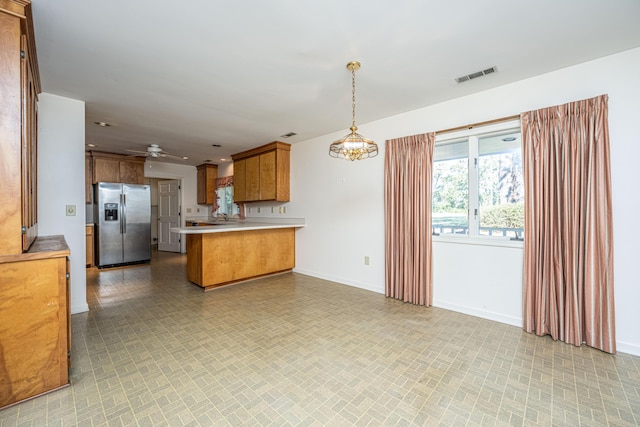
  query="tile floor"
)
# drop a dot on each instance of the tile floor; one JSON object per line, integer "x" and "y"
{"x": 155, "y": 350}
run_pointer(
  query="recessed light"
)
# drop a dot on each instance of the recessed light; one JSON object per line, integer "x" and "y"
{"x": 91, "y": 145}
{"x": 223, "y": 160}
{"x": 287, "y": 135}
{"x": 102, "y": 124}
{"x": 509, "y": 138}
{"x": 216, "y": 145}
{"x": 185, "y": 158}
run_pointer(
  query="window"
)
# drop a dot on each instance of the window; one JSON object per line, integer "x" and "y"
{"x": 477, "y": 183}
{"x": 224, "y": 203}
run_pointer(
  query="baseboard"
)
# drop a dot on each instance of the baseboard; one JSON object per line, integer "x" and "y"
{"x": 628, "y": 348}
{"x": 489, "y": 315}
{"x": 79, "y": 308}
{"x": 340, "y": 280}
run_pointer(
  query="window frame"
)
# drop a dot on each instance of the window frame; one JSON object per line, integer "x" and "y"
{"x": 476, "y": 133}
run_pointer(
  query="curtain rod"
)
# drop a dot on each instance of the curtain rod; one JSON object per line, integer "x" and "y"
{"x": 474, "y": 125}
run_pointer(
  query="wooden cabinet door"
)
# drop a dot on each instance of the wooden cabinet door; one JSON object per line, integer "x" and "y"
{"x": 34, "y": 327}
{"x": 131, "y": 172}
{"x": 252, "y": 176}
{"x": 239, "y": 181}
{"x": 202, "y": 186}
{"x": 88, "y": 180}
{"x": 106, "y": 170}
{"x": 29, "y": 150}
{"x": 207, "y": 175}
{"x": 268, "y": 176}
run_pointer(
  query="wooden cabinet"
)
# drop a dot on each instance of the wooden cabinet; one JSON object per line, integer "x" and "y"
{"x": 34, "y": 320}
{"x": 262, "y": 174}
{"x": 90, "y": 248}
{"x": 109, "y": 167}
{"x": 217, "y": 259}
{"x": 88, "y": 177}
{"x": 207, "y": 174}
{"x": 19, "y": 88}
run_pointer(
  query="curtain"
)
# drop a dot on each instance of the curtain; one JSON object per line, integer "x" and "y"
{"x": 568, "y": 244}
{"x": 407, "y": 197}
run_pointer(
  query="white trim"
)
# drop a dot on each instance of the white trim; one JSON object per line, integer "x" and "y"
{"x": 489, "y": 315}
{"x": 82, "y": 308}
{"x": 337, "y": 280}
{"x": 479, "y": 241}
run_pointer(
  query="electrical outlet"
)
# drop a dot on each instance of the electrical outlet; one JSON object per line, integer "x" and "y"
{"x": 280, "y": 210}
{"x": 71, "y": 210}
{"x": 366, "y": 260}
{"x": 258, "y": 210}
{"x": 188, "y": 210}
{"x": 198, "y": 210}
{"x": 284, "y": 209}
{"x": 272, "y": 208}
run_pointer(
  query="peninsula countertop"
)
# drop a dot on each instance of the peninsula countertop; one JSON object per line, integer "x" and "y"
{"x": 222, "y": 226}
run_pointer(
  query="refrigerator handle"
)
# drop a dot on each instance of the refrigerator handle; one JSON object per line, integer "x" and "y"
{"x": 124, "y": 214}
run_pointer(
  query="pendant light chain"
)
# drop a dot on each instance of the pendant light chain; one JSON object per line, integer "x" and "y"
{"x": 353, "y": 99}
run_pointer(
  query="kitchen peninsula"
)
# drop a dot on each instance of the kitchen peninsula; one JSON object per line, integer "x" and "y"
{"x": 233, "y": 251}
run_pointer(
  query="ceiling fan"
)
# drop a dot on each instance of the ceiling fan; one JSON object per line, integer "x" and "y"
{"x": 154, "y": 150}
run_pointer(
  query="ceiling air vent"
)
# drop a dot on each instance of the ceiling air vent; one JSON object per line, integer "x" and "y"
{"x": 288, "y": 135}
{"x": 476, "y": 74}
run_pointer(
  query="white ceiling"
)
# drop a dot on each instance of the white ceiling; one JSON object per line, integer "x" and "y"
{"x": 186, "y": 75}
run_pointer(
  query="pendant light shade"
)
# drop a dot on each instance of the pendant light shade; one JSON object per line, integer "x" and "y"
{"x": 353, "y": 146}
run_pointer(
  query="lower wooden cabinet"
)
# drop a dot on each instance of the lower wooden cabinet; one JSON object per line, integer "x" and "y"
{"x": 90, "y": 244}
{"x": 35, "y": 333}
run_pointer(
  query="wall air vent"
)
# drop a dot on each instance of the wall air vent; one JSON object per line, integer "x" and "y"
{"x": 476, "y": 74}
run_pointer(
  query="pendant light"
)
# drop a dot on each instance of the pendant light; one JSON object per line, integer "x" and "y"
{"x": 353, "y": 146}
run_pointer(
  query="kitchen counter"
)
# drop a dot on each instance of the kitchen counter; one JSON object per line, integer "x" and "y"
{"x": 234, "y": 251}
{"x": 221, "y": 226}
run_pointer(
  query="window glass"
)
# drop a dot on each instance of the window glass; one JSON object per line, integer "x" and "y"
{"x": 500, "y": 184}
{"x": 450, "y": 189}
{"x": 477, "y": 183}
{"x": 225, "y": 202}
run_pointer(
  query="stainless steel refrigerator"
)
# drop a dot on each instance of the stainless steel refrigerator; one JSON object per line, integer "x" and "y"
{"x": 123, "y": 220}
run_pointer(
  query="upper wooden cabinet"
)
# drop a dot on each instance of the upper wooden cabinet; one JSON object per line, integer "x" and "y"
{"x": 262, "y": 173}
{"x": 207, "y": 175}
{"x": 109, "y": 167}
{"x": 19, "y": 88}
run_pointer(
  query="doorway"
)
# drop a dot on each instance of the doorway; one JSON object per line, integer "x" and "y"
{"x": 168, "y": 215}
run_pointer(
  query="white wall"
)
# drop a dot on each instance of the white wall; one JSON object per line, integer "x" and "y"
{"x": 61, "y": 183}
{"x": 188, "y": 188}
{"x": 342, "y": 201}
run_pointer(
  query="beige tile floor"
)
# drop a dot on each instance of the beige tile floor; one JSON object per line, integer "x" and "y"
{"x": 156, "y": 350}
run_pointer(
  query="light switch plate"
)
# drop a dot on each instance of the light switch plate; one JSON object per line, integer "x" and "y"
{"x": 71, "y": 210}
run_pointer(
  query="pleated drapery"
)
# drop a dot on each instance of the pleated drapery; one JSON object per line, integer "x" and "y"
{"x": 407, "y": 197}
{"x": 568, "y": 243}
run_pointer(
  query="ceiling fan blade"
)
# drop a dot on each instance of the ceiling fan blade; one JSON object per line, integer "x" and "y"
{"x": 165, "y": 154}
{"x": 137, "y": 151}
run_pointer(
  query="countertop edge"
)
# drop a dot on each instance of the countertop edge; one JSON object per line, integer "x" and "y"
{"x": 226, "y": 228}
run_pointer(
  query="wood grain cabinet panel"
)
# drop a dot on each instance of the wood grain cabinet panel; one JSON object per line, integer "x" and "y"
{"x": 207, "y": 174}
{"x": 109, "y": 167}
{"x": 263, "y": 172}
{"x": 19, "y": 88}
{"x": 239, "y": 180}
{"x": 106, "y": 170}
{"x": 35, "y": 339}
{"x": 131, "y": 172}
{"x": 252, "y": 178}
{"x": 89, "y": 245}
{"x": 216, "y": 259}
